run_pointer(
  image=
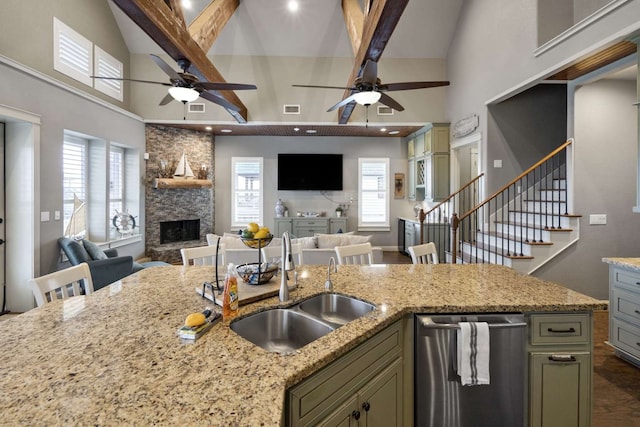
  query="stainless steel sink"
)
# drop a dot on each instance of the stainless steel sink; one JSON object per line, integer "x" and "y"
{"x": 280, "y": 330}
{"x": 335, "y": 309}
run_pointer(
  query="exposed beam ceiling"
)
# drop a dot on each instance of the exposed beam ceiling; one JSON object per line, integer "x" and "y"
{"x": 207, "y": 26}
{"x": 379, "y": 24}
{"x": 166, "y": 28}
{"x": 598, "y": 60}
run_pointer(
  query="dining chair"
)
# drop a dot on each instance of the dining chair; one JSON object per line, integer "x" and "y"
{"x": 424, "y": 254}
{"x": 72, "y": 281}
{"x": 203, "y": 255}
{"x": 355, "y": 254}
{"x": 274, "y": 253}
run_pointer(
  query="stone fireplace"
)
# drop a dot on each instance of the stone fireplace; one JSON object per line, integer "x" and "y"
{"x": 186, "y": 212}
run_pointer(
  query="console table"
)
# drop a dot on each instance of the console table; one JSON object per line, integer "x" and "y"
{"x": 307, "y": 227}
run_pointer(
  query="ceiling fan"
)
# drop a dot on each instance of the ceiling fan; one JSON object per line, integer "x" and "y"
{"x": 368, "y": 89}
{"x": 185, "y": 87}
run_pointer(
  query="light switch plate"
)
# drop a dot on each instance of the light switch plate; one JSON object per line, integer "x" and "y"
{"x": 44, "y": 216}
{"x": 56, "y": 215}
{"x": 597, "y": 219}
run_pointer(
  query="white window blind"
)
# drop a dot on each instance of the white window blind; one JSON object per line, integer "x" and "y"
{"x": 247, "y": 192}
{"x": 106, "y": 65}
{"x": 72, "y": 53}
{"x": 74, "y": 162}
{"x": 116, "y": 180}
{"x": 373, "y": 189}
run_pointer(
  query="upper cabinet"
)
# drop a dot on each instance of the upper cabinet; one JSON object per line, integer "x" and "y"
{"x": 428, "y": 163}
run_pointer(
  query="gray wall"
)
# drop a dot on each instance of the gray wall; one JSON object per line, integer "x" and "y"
{"x": 269, "y": 147}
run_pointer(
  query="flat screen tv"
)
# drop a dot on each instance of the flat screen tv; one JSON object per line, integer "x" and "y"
{"x": 322, "y": 172}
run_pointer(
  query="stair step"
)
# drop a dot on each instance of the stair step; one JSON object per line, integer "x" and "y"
{"x": 497, "y": 250}
{"x": 510, "y": 237}
{"x": 490, "y": 254}
{"x": 531, "y": 226}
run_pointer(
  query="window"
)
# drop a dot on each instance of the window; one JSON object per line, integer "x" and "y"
{"x": 74, "y": 160}
{"x": 373, "y": 190}
{"x": 72, "y": 53}
{"x": 107, "y": 66}
{"x": 246, "y": 189}
{"x": 116, "y": 180}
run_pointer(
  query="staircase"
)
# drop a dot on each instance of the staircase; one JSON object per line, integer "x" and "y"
{"x": 524, "y": 225}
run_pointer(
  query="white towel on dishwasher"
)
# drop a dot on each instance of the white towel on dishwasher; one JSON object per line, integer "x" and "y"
{"x": 473, "y": 353}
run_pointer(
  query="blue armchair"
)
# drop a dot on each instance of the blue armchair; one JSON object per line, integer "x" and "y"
{"x": 105, "y": 265}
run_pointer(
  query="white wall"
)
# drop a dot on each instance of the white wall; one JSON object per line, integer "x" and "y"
{"x": 269, "y": 147}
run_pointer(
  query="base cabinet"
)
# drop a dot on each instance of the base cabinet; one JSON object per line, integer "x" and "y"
{"x": 624, "y": 312}
{"x": 560, "y": 347}
{"x": 307, "y": 227}
{"x": 362, "y": 388}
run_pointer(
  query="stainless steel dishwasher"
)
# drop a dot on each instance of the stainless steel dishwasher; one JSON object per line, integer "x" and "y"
{"x": 441, "y": 400}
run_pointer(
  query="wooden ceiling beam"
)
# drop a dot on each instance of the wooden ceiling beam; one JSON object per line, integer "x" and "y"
{"x": 207, "y": 26}
{"x": 176, "y": 7}
{"x": 354, "y": 20}
{"x": 156, "y": 19}
{"x": 597, "y": 60}
{"x": 379, "y": 24}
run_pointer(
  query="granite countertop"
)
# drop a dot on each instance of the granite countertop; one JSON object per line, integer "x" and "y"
{"x": 114, "y": 358}
{"x": 630, "y": 263}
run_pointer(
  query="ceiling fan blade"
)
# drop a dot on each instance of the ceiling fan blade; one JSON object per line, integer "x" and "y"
{"x": 326, "y": 87}
{"x": 411, "y": 85}
{"x": 131, "y": 80}
{"x": 370, "y": 72}
{"x": 217, "y": 99}
{"x": 166, "y": 68}
{"x": 167, "y": 99}
{"x": 345, "y": 101}
{"x": 223, "y": 86}
{"x": 390, "y": 102}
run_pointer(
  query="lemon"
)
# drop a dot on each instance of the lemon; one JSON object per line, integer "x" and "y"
{"x": 253, "y": 227}
{"x": 195, "y": 319}
{"x": 265, "y": 229}
{"x": 261, "y": 234}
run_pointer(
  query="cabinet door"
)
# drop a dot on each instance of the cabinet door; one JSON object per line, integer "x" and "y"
{"x": 338, "y": 225}
{"x": 381, "y": 399}
{"x": 560, "y": 384}
{"x": 283, "y": 225}
{"x": 411, "y": 181}
{"x": 346, "y": 415}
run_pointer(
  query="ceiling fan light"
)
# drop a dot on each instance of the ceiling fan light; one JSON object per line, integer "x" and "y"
{"x": 184, "y": 94}
{"x": 367, "y": 98}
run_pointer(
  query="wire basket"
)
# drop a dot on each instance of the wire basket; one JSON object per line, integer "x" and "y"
{"x": 254, "y": 274}
{"x": 257, "y": 243}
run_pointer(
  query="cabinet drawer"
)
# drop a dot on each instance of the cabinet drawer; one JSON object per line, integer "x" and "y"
{"x": 625, "y": 305}
{"x": 626, "y": 337}
{"x": 305, "y": 223}
{"x": 560, "y": 329}
{"x": 626, "y": 277}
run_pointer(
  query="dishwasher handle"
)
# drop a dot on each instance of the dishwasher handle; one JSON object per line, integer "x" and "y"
{"x": 428, "y": 322}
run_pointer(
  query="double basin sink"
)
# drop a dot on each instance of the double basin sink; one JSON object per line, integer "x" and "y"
{"x": 284, "y": 330}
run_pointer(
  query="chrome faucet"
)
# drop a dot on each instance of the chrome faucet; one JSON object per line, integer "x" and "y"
{"x": 287, "y": 265}
{"x": 328, "y": 285}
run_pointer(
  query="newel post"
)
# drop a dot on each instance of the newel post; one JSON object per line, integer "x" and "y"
{"x": 454, "y": 238}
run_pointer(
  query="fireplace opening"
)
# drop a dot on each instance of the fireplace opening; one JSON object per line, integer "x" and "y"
{"x": 179, "y": 231}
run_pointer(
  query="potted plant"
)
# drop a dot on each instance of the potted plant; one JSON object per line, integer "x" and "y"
{"x": 339, "y": 211}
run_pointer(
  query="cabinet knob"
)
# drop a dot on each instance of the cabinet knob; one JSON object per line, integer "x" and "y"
{"x": 366, "y": 406}
{"x": 356, "y": 415}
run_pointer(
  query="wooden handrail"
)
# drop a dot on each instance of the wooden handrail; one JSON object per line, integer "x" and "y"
{"x": 519, "y": 177}
{"x": 451, "y": 196}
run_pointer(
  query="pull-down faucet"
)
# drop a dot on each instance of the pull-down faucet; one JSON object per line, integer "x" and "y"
{"x": 328, "y": 285}
{"x": 287, "y": 265}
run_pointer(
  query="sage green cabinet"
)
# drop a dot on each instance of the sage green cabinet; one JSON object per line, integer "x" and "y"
{"x": 307, "y": 227}
{"x": 337, "y": 225}
{"x": 428, "y": 163}
{"x": 282, "y": 225}
{"x": 362, "y": 388}
{"x": 560, "y": 383}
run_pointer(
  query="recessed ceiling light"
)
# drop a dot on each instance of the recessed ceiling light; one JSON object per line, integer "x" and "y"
{"x": 311, "y": 131}
{"x": 186, "y": 4}
{"x": 208, "y": 128}
{"x": 394, "y": 132}
{"x": 226, "y": 130}
{"x": 296, "y": 129}
{"x": 383, "y": 129}
{"x": 292, "y": 5}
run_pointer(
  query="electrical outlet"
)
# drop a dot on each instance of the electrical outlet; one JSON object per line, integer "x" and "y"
{"x": 598, "y": 219}
{"x": 56, "y": 215}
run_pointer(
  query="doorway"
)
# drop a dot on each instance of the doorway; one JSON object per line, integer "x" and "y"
{"x": 466, "y": 161}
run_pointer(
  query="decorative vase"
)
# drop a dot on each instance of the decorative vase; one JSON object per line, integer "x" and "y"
{"x": 279, "y": 209}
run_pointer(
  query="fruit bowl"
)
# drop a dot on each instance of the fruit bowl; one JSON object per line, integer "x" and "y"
{"x": 249, "y": 273}
{"x": 257, "y": 243}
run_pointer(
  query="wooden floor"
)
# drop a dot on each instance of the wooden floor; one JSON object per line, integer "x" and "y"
{"x": 616, "y": 383}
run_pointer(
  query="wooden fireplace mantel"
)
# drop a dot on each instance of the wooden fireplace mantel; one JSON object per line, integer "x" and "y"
{"x": 181, "y": 183}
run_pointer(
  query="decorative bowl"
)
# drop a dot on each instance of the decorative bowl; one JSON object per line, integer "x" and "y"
{"x": 249, "y": 273}
{"x": 257, "y": 243}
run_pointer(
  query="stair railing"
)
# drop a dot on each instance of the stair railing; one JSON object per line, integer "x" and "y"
{"x": 504, "y": 220}
{"x": 434, "y": 223}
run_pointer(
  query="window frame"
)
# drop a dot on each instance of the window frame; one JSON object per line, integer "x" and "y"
{"x": 384, "y": 225}
{"x": 60, "y": 31}
{"x": 235, "y": 223}
{"x": 112, "y": 88}
{"x": 84, "y": 144}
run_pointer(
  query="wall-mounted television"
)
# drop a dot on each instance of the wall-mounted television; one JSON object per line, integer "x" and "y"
{"x": 322, "y": 172}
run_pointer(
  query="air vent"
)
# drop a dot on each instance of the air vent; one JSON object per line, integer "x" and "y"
{"x": 196, "y": 108}
{"x": 291, "y": 109}
{"x": 383, "y": 110}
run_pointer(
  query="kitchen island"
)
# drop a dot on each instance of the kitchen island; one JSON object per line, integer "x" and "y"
{"x": 114, "y": 357}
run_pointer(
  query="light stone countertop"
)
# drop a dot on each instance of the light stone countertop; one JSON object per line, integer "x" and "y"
{"x": 113, "y": 358}
{"x": 630, "y": 263}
